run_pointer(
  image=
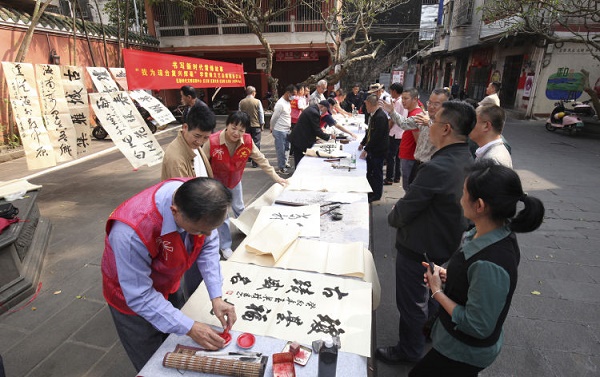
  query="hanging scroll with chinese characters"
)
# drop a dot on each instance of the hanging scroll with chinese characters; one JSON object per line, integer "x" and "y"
{"x": 25, "y": 104}
{"x": 56, "y": 112}
{"x": 292, "y": 305}
{"x": 120, "y": 77}
{"x": 76, "y": 96}
{"x": 126, "y": 128}
{"x": 102, "y": 80}
{"x": 157, "y": 110}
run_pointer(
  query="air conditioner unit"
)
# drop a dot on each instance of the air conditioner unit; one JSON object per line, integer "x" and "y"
{"x": 261, "y": 63}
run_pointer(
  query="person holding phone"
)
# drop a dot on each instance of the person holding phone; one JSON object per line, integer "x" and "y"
{"x": 481, "y": 276}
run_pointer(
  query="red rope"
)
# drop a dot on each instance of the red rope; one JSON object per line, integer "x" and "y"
{"x": 37, "y": 291}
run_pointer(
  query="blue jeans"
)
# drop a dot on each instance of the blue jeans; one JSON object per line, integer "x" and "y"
{"x": 237, "y": 205}
{"x": 281, "y": 146}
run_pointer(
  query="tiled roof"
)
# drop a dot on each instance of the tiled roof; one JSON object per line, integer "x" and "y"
{"x": 56, "y": 22}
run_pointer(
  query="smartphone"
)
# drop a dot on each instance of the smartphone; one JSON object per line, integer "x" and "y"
{"x": 431, "y": 265}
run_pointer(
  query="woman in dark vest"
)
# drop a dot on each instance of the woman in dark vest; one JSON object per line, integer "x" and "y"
{"x": 481, "y": 275}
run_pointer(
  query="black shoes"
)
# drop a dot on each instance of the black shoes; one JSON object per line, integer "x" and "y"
{"x": 390, "y": 355}
{"x": 387, "y": 182}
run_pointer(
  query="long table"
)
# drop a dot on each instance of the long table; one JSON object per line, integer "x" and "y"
{"x": 353, "y": 228}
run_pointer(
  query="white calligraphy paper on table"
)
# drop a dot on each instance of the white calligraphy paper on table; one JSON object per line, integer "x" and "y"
{"x": 292, "y": 305}
{"x": 157, "y": 110}
{"x": 73, "y": 82}
{"x": 306, "y": 217}
{"x": 55, "y": 112}
{"x": 329, "y": 183}
{"x": 120, "y": 77}
{"x": 25, "y": 103}
{"x": 127, "y": 128}
{"x": 102, "y": 80}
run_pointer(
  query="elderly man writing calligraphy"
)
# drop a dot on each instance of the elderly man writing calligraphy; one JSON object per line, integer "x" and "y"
{"x": 151, "y": 240}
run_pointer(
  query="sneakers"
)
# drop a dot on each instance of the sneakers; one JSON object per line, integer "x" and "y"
{"x": 281, "y": 171}
{"x": 227, "y": 253}
{"x": 287, "y": 165}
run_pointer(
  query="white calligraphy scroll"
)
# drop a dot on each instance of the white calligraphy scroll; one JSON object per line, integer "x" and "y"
{"x": 26, "y": 108}
{"x": 56, "y": 112}
{"x": 102, "y": 80}
{"x": 306, "y": 217}
{"x": 330, "y": 183}
{"x": 126, "y": 127}
{"x": 77, "y": 101}
{"x": 120, "y": 77}
{"x": 157, "y": 110}
{"x": 292, "y": 305}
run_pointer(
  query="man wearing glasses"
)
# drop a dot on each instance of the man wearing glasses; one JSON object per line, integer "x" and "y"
{"x": 429, "y": 220}
{"x": 424, "y": 148}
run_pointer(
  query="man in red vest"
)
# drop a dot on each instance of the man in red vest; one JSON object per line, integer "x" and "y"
{"x": 228, "y": 150}
{"x": 151, "y": 240}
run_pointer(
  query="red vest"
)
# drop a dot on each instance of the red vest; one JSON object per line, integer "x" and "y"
{"x": 295, "y": 113}
{"x": 229, "y": 169}
{"x": 170, "y": 259}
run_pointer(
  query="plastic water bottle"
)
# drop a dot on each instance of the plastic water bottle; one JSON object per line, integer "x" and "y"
{"x": 328, "y": 354}
{"x": 353, "y": 160}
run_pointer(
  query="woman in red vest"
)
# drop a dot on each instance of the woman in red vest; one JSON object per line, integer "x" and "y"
{"x": 228, "y": 151}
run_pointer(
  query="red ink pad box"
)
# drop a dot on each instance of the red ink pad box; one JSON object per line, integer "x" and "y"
{"x": 283, "y": 365}
{"x": 303, "y": 354}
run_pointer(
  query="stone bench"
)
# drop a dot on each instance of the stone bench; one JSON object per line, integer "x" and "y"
{"x": 22, "y": 250}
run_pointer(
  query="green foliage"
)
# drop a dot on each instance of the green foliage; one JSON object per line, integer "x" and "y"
{"x": 13, "y": 141}
{"x": 115, "y": 17}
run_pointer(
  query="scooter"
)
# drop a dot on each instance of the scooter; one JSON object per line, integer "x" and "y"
{"x": 220, "y": 105}
{"x": 563, "y": 119}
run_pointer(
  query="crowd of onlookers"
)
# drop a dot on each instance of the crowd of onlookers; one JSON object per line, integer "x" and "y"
{"x": 457, "y": 253}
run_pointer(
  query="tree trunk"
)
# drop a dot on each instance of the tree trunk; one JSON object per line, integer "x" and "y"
{"x": 126, "y": 27}
{"x": 35, "y": 17}
{"x": 119, "y": 44}
{"x": 74, "y": 43}
{"x": 87, "y": 37}
{"x": 103, "y": 34}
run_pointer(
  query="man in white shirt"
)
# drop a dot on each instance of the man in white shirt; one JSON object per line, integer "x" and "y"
{"x": 281, "y": 123}
{"x": 318, "y": 96}
{"x": 487, "y": 133}
{"x": 492, "y": 94}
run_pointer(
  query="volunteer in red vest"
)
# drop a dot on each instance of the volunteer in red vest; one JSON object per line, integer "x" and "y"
{"x": 408, "y": 144}
{"x": 228, "y": 150}
{"x": 151, "y": 240}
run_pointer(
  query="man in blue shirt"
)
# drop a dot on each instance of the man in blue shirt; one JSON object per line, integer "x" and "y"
{"x": 152, "y": 239}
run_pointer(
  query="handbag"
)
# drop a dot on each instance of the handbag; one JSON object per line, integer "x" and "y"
{"x": 8, "y": 211}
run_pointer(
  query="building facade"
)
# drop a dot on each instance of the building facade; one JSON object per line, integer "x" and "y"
{"x": 469, "y": 52}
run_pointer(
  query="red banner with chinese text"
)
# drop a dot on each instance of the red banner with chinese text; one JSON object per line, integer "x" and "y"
{"x": 151, "y": 70}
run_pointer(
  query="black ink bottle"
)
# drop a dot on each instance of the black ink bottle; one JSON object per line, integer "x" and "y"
{"x": 328, "y": 354}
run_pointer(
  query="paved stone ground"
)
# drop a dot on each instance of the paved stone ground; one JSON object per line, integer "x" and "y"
{"x": 557, "y": 332}
{"x": 70, "y": 332}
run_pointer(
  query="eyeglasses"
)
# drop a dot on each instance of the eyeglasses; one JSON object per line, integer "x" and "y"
{"x": 433, "y": 104}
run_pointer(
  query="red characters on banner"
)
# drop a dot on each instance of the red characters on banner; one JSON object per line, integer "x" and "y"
{"x": 151, "y": 70}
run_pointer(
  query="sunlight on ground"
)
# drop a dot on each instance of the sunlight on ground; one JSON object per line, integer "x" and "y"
{"x": 532, "y": 181}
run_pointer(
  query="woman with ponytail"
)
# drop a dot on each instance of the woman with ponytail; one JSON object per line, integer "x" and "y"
{"x": 481, "y": 276}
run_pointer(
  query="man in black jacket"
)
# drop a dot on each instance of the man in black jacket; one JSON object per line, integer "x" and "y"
{"x": 429, "y": 220}
{"x": 374, "y": 146}
{"x": 307, "y": 129}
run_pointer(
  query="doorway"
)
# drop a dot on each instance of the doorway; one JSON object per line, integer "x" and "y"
{"x": 510, "y": 80}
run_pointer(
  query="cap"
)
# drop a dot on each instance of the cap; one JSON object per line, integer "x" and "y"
{"x": 325, "y": 104}
{"x": 375, "y": 87}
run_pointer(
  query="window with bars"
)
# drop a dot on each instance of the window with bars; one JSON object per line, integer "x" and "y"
{"x": 463, "y": 13}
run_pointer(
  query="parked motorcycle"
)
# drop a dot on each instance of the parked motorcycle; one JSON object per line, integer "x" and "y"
{"x": 100, "y": 133}
{"x": 220, "y": 105}
{"x": 564, "y": 119}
